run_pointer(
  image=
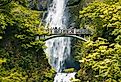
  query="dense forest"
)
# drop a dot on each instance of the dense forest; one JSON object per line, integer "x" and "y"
{"x": 22, "y": 56}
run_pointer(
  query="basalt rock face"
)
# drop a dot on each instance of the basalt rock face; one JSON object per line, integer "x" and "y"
{"x": 40, "y": 5}
{"x": 73, "y": 2}
{"x": 74, "y": 7}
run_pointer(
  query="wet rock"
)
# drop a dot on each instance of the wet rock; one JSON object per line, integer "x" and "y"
{"x": 74, "y": 6}
{"x": 40, "y": 5}
{"x": 73, "y": 2}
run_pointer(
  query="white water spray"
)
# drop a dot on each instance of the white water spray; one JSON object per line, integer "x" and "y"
{"x": 59, "y": 49}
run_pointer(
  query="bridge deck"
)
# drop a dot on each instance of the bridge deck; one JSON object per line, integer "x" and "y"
{"x": 76, "y": 33}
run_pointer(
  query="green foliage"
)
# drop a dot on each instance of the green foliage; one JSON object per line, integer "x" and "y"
{"x": 101, "y": 62}
{"x": 102, "y": 18}
{"x": 24, "y": 3}
{"x": 100, "y": 59}
{"x": 70, "y": 70}
{"x": 112, "y": 2}
{"x": 22, "y": 58}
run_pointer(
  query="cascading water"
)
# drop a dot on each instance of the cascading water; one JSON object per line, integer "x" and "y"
{"x": 59, "y": 50}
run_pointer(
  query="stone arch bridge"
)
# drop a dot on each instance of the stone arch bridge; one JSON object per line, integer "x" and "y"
{"x": 75, "y": 33}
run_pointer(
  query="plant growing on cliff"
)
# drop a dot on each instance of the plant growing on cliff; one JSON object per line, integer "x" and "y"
{"x": 100, "y": 59}
{"x": 22, "y": 58}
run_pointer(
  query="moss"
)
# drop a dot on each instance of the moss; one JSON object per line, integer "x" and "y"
{"x": 70, "y": 70}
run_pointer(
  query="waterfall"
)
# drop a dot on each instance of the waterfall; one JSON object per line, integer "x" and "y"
{"x": 59, "y": 49}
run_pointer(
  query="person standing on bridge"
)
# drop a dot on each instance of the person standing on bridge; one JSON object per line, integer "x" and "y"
{"x": 55, "y": 30}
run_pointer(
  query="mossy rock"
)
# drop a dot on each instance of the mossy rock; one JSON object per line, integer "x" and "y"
{"x": 70, "y": 70}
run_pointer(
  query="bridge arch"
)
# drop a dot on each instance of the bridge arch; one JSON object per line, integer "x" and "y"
{"x": 74, "y": 36}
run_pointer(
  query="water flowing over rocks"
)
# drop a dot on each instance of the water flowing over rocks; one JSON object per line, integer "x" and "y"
{"x": 59, "y": 49}
{"x": 64, "y": 77}
{"x": 59, "y": 14}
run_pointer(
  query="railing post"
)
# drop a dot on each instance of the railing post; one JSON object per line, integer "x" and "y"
{"x": 74, "y": 31}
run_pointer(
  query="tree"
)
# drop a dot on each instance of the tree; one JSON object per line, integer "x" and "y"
{"x": 22, "y": 58}
{"x": 100, "y": 58}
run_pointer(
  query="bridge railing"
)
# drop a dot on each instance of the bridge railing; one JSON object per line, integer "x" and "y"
{"x": 68, "y": 31}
